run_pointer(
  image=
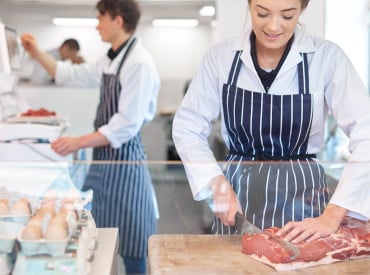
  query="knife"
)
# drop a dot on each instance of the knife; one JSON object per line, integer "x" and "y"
{"x": 244, "y": 226}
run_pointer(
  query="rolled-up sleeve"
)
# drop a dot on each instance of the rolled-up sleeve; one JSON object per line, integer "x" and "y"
{"x": 79, "y": 75}
{"x": 192, "y": 125}
{"x": 137, "y": 103}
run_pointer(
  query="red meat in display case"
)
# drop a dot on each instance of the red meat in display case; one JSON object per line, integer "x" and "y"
{"x": 38, "y": 112}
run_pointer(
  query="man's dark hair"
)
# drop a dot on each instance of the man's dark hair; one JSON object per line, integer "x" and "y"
{"x": 128, "y": 9}
{"x": 71, "y": 43}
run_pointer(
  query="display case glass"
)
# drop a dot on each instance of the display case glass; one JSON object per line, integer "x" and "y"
{"x": 177, "y": 211}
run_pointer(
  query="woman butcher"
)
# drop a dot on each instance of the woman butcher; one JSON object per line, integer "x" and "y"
{"x": 273, "y": 88}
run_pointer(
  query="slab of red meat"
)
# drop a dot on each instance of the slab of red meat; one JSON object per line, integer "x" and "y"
{"x": 38, "y": 112}
{"x": 352, "y": 240}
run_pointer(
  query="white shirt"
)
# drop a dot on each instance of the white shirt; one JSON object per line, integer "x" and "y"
{"x": 39, "y": 75}
{"x": 139, "y": 81}
{"x": 334, "y": 84}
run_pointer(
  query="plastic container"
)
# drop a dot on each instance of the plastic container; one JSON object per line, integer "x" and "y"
{"x": 8, "y": 234}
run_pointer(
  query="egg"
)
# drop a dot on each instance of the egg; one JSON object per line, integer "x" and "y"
{"x": 44, "y": 210}
{"x": 36, "y": 220}
{"x": 32, "y": 233}
{"x": 59, "y": 219}
{"x": 4, "y": 209}
{"x": 69, "y": 211}
{"x": 68, "y": 206}
{"x": 55, "y": 232}
{"x": 51, "y": 194}
{"x": 21, "y": 207}
{"x": 71, "y": 196}
{"x": 48, "y": 203}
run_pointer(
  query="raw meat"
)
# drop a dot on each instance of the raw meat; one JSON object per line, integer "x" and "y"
{"x": 352, "y": 240}
{"x": 38, "y": 112}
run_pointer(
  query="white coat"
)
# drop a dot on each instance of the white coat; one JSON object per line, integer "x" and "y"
{"x": 334, "y": 84}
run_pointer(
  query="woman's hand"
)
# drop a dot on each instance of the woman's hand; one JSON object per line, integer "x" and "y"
{"x": 225, "y": 201}
{"x": 314, "y": 228}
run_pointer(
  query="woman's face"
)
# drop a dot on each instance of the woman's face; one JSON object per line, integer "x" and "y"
{"x": 274, "y": 21}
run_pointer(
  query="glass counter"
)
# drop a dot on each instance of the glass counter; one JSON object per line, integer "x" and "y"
{"x": 178, "y": 211}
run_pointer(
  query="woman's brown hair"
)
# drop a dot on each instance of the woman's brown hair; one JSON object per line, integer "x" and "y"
{"x": 304, "y": 3}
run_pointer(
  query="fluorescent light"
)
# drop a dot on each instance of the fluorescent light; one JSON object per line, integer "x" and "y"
{"x": 65, "y": 21}
{"x": 175, "y": 23}
{"x": 207, "y": 11}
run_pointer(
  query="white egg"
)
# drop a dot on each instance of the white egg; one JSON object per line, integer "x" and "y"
{"x": 36, "y": 220}
{"x": 31, "y": 233}
{"x": 21, "y": 207}
{"x": 55, "y": 232}
{"x": 46, "y": 210}
{"x": 51, "y": 194}
{"x": 71, "y": 196}
{"x": 4, "y": 209}
{"x": 59, "y": 219}
{"x": 69, "y": 211}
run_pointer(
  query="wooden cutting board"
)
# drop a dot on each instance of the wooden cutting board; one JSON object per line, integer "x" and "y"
{"x": 211, "y": 254}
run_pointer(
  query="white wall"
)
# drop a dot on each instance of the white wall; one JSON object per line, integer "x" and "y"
{"x": 177, "y": 53}
{"x": 231, "y": 19}
{"x": 347, "y": 24}
{"x": 313, "y": 18}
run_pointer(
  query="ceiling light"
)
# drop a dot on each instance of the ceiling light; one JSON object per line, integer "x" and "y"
{"x": 65, "y": 21}
{"x": 175, "y": 23}
{"x": 207, "y": 11}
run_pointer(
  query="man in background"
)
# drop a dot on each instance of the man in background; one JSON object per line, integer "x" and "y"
{"x": 68, "y": 51}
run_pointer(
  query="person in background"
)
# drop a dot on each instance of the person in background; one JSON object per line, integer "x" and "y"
{"x": 68, "y": 51}
{"x": 129, "y": 82}
{"x": 273, "y": 87}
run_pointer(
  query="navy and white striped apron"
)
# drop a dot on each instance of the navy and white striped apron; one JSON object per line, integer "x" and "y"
{"x": 268, "y": 166}
{"x": 122, "y": 186}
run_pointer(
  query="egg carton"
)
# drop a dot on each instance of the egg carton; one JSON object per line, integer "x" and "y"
{"x": 42, "y": 246}
{"x": 50, "y": 247}
{"x": 8, "y": 235}
{"x": 18, "y": 217}
{"x": 5, "y": 264}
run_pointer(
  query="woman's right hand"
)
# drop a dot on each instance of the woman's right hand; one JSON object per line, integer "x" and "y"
{"x": 29, "y": 44}
{"x": 225, "y": 201}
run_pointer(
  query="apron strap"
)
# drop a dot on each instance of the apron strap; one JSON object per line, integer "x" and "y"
{"x": 303, "y": 78}
{"x": 129, "y": 47}
{"x": 235, "y": 68}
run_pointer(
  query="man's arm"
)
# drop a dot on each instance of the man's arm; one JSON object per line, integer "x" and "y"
{"x": 45, "y": 59}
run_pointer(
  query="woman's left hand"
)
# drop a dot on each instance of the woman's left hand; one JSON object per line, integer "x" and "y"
{"x": 314, "y": 228}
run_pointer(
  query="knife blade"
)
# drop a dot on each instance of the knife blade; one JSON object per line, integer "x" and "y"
{"x": 243, "y": 226}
